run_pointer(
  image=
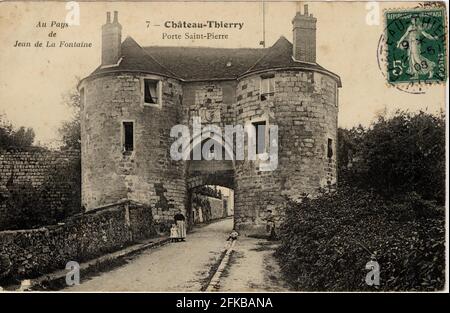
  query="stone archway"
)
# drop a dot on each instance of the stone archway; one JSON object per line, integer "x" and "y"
{"x": 203, "y": 173}
{"x": 209, "y": 176}
{"x": 208, "y": 172}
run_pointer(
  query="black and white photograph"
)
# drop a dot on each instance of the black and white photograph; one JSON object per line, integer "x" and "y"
{"x": 223, "y": 147}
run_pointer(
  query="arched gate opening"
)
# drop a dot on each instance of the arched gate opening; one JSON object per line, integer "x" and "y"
{"x": 210, "y": 189}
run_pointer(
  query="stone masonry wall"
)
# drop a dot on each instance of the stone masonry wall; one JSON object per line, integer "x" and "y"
{"x": 33, "y": 252}
{"x": 212, "y": 101}
{"x": 37, "y": 168}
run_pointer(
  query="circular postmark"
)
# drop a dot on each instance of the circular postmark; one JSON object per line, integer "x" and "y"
{"x": 411, "y": 52}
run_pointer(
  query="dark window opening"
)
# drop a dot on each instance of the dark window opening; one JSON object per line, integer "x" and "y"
{"x": 151, "y": 91}
{"x": 267, "y": 87}
{"x": 330, "y": 148}
{"x": 128, "y": 136}
{"x": 260, "y": 128}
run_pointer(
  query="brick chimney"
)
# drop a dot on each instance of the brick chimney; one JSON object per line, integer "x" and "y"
{"x": 304, "y": 31}
{"x": 111, "y": 40}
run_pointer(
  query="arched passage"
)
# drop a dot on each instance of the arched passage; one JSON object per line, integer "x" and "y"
{"x": 208, "y": 173}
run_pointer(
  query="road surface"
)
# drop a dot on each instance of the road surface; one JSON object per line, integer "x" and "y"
{"x": 189, "y": 265}
{"x": 179, "y": 266}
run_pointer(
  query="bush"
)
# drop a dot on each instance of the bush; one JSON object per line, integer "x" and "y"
{"x": 327, "y": 241}
{"x": 15, "y": 139}
{"x": 396, "y": 155}
{"x": 25, "y": 208}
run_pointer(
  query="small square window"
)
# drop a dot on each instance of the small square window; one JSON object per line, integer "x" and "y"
{"x": 267, "y": 87}
{"x": 330, "y": 148}
{"x": 152, "y": 92}
{"x": 128, "y": 136}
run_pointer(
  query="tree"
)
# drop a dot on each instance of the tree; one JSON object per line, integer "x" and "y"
{"x": 15, "y": 139}
{"x": 396, "y": 155}
{"x": 70, "y": 131}
{"x": 71, "y": 134}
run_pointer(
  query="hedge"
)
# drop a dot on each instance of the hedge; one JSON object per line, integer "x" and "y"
{"x": 327, "y": 241}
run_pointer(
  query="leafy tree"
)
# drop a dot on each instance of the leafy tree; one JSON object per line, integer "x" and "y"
{"x": 15, "y": 139}
{"x": 399, "y": 154}
{"x": 70, "y": 131}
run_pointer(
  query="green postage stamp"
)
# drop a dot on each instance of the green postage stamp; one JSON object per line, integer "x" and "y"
{"x": 416, "y": 45}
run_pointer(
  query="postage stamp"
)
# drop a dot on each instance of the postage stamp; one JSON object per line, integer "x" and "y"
{"x": 416, "y": 46}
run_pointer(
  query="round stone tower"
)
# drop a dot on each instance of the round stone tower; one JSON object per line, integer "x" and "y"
{"x": 127, "y": 114}
{"x": 287, "y": 89}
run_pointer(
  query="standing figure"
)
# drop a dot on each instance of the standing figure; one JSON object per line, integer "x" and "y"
{"x": 180, "y": 221}
{"x": 411, "y": 41}
{"x": 270, "y": 225}
{"x": 174, "y": 233}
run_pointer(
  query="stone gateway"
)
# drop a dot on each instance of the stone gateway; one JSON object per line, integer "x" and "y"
{"x": 137, "y": 94}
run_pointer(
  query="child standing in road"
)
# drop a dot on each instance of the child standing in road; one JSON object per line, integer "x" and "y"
{"x": 174, "y": 233}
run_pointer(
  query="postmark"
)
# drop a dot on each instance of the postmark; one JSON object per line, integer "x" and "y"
{"x": 415, "y": 42}
{"x": 412, "y": 49}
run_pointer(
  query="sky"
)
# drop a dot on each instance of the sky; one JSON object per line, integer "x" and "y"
{"x": 34, "y": 80}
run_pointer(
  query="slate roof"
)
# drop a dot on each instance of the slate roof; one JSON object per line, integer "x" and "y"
{"x": 201, "y": 64}
{"x": 134, "y": 58}
{"x": 206, "y": 63}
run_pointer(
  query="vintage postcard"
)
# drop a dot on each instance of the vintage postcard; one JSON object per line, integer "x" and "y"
{"x": 223, "y": 146}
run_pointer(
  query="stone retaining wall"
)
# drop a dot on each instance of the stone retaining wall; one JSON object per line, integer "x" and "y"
{"x": 33, "y": 252}
{"x": 52, "y": 176}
